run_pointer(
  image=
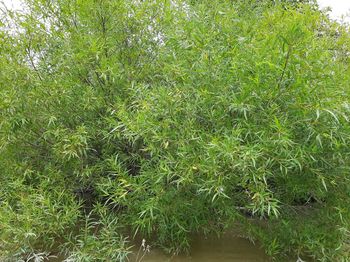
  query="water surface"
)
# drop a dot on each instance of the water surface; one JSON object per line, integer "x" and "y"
{"x": 228, "y": 247}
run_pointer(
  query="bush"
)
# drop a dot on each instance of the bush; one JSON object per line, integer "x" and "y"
{"x": 174, "y": 117}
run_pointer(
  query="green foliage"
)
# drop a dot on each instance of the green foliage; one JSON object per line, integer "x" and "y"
{"x": 173, "y": 117}
{"x": 34, "y": 219}
{"x": 98, "y": 241}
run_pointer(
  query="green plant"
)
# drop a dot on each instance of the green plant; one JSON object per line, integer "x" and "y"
{"x": 173, "y": 117}
{"x": 98, "y": 241}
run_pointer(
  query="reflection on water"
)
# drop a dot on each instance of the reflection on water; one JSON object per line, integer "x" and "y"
{"x": 228, "y": 247}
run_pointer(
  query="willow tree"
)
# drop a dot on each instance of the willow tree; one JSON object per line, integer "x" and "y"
{"x": 173, "y": 117}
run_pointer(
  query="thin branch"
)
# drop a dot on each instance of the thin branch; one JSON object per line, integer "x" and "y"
{"x": 33, "y": 64}
{"x": 285, "y": 66}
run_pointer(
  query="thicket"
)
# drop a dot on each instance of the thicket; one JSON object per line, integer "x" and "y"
{"x": 171, "y": 117}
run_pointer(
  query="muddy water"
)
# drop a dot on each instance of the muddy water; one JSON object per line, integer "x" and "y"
{"x": 227, "y": 248}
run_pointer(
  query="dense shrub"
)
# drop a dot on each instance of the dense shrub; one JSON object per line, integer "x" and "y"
{"x": 173, "y": 117}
